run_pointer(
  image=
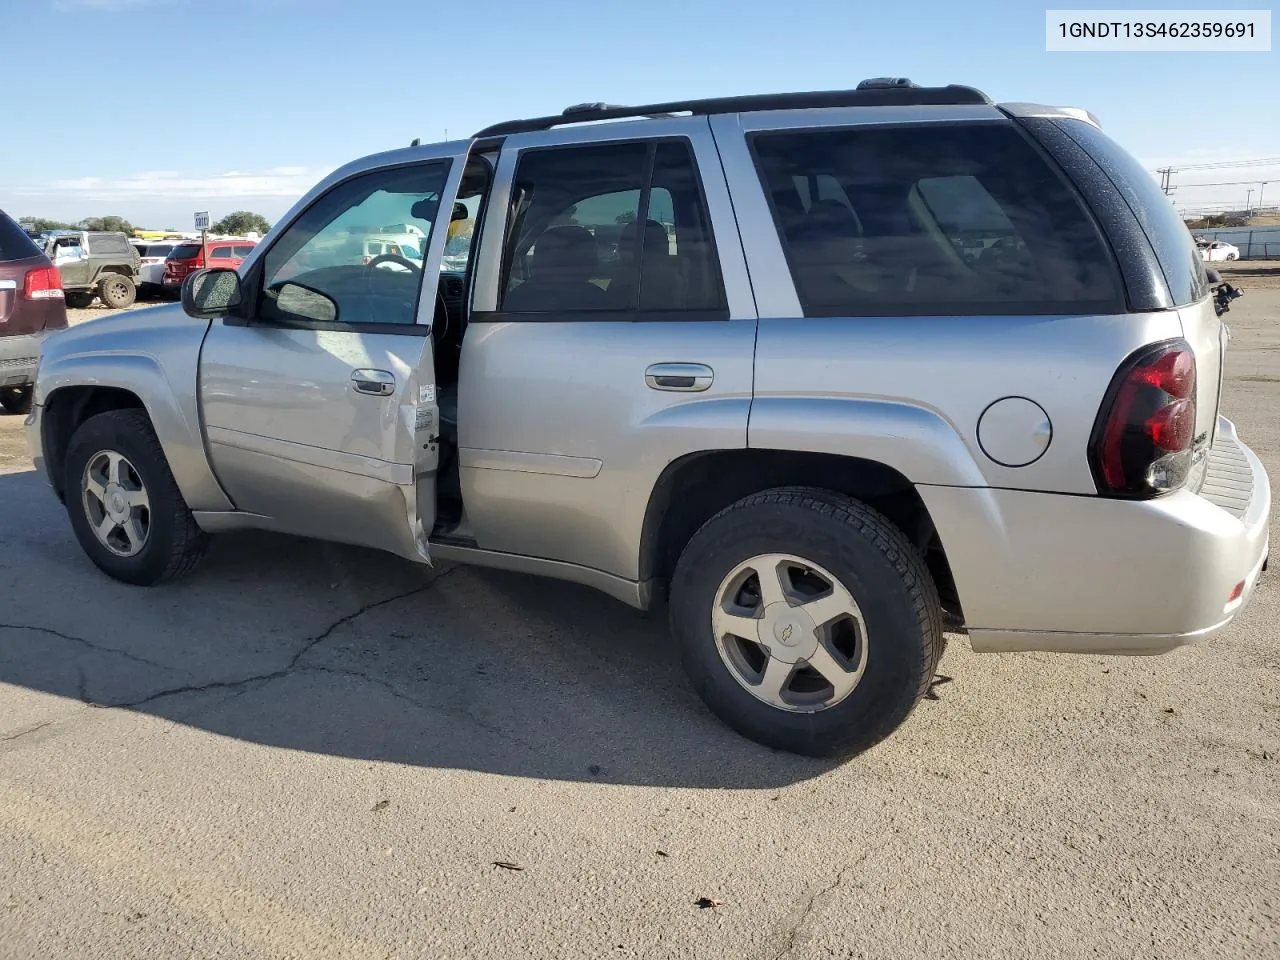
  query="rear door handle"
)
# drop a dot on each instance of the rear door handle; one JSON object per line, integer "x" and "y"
{"x": 680, "y": 377}
{"x": 379, "y": 383}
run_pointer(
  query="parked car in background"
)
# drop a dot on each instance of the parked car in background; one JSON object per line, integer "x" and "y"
{"x": 93, "y": 263}
{"x": 1218, "y": 250}
{"x": 31, "y": 307}
{"x": 187, "y": 258}
{"x": 154, "y": 253}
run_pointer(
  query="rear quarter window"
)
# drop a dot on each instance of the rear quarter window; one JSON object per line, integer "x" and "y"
{"x": 14, "y": 242}
{"x": 933, "y": 219}
{"x": 1180, "y": 262}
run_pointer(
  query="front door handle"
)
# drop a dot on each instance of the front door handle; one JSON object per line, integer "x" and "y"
{"x": 379, "y": 383}
{"x": 680, "y": 377}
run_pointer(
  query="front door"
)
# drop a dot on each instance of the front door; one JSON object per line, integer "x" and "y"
{"x": 71, "y": 258}
{"x": 612, "y": 334}
{"x": 319, "y": 401}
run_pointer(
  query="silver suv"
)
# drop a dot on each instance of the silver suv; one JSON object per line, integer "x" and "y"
{"x": 823, "y": 369}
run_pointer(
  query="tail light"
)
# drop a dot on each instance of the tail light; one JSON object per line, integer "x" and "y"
{"x": 1142, "y": 443}
{"x": 42, "y": 283}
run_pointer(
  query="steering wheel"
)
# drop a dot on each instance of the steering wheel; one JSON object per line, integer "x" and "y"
{"x": 393, "y": 258}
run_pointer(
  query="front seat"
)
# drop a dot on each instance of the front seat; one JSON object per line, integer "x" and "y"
{"x": 564, "y": 260}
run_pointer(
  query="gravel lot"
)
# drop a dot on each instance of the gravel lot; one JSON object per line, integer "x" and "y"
{"x": 314, "y": 751}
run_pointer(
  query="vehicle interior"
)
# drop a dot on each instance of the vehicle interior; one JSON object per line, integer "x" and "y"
{"x": 942, "y": 224}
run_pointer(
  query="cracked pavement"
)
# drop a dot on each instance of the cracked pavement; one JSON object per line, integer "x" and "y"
{"x": 314, "y": 751}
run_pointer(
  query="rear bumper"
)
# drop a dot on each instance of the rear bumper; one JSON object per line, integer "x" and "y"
{"x": 1081, "y": 574}
{"x": 19, "y": 356}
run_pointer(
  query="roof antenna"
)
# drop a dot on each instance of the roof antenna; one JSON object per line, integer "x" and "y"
{"x": 417, "y": 142}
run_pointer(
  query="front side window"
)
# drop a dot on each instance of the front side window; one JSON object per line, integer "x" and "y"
{"x": 931, "y": 220}
{"x": 319, "y": 268}
{"x": 614, "y": 228}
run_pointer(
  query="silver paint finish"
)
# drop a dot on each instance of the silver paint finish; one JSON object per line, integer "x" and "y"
{"x": 565, "y": 426}
{"x": 152, "y": 353}
{"x": 1034, "y": 562}
{"x": 1014, "y": 431}
{"x": 558, "y": 457}
{"x": 290, "y": 438}
{"x": 843, "y": 385}
{"x": 327, "y": 432}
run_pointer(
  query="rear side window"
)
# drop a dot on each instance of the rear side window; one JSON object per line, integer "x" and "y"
{"x": 109, "y": 243}
{"x": 243, "y": 251}
{"x": 931, "y": 220}
{"x": 185, "y": 251}
{"x": 222, "y": 253}
{"x": 615, "y": 229}
{"x": 1175, "y": 250}
{"x": 14, "y": 242}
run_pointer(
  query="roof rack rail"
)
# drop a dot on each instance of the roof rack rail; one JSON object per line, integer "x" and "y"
{"x": 879, "y": 92}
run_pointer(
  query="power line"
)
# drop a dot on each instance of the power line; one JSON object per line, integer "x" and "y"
{"x": 1225, "y": 183}
{"x": 1222, "y": 165}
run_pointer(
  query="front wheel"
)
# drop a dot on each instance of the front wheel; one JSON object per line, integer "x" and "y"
{"x": 125, "y": 507}
{"x": 806, "y": 621}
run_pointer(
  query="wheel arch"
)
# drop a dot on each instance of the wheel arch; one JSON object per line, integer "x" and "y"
{"x": 694, "y": 488}
{"x": 78, "y": 387}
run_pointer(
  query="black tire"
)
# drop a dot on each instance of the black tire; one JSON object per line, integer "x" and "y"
{"x": 117, "y": 291}
{"x": 871, "y": 558}
{"x": 78, "y": 299}
{"x": 16, "y": 400}
{"x": 174, "y": 544}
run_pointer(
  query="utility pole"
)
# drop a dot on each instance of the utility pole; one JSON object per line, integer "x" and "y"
{"x": 1166, "y": 179}
{"x": 1248, "y": 195}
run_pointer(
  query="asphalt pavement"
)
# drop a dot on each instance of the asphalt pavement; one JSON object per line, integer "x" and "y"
{"x": 314, "y": 751}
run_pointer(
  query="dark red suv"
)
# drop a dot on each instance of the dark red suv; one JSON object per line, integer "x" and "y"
{"x": 187, "y": 258}
{"x": 31, "y": 307}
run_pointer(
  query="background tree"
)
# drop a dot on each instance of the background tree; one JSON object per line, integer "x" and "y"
{"x": 241, "y": 222}
{"x": 626, "y": 216}
{"x": 41, "y": 224}
{"x": 110, "y": 224}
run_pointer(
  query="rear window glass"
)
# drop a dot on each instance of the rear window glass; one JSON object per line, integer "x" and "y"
{"x": 185, "y": 251}
{"x": 933, "y": 220}
{"x": 14, "y": 242}
{"x": 1180, "y": 262}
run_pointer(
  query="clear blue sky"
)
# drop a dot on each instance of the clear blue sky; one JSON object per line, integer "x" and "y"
{"x": 244, "y": 103}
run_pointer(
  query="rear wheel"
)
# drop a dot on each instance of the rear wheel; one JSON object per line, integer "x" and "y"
{"x": 117, "y": 291}
{"x": 16, "y": 400}
{"x": 78, "y": 299}
{"x": 125, "y": 507}
{"x": 806, "y": 621}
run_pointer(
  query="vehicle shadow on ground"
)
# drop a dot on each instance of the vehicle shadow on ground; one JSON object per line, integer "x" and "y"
{"x": 354, "y": 653}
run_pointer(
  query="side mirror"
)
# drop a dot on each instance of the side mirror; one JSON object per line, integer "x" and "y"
{"x": 211, "y": 293}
